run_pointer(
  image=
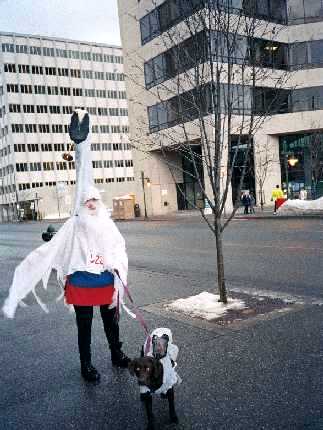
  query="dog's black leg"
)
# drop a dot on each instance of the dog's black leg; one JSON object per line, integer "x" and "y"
{"x": 148, "y": 401}
{"x": 171, "y": 404}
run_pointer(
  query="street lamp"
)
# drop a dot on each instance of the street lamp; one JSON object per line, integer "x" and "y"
{"x": 291, "y": 160}
{"x": 143, "y": 189}
{"x": 36, "y": 200}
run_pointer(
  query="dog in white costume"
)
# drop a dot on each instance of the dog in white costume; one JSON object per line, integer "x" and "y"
{"x": 156, "y": 372}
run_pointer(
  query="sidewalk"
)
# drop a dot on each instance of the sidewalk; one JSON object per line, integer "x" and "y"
{"x": 266, "y": 213}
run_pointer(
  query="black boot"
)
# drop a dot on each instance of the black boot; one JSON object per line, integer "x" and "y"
{"x": 111, "y": 328}
{"x": 118, "y": 357}
{"x": 89, "y": 372}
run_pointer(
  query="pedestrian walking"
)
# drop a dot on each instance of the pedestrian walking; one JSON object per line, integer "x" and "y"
{"x": 277, "y": 193}
{"x": 89, "y": 256}
{"x": 246, "y": 202}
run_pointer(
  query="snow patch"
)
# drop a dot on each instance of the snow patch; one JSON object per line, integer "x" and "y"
{"x": 205, "y": 305}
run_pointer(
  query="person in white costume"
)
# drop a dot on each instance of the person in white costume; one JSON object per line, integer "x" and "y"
{"x": 89, "y": 256}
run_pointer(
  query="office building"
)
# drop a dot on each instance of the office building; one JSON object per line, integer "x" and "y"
{"x": 42, "y": 80}
{"x": 292, "y": 45}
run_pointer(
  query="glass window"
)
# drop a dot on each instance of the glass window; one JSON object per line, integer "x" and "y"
{"x": 159, "y": 68}
{"x": 263, "y": 8}
{"x": 313, "y": 8}
{"x": 299, "y": 54}
{"x": 162, "y": 114}
{"x": 240, "y": 49}
{"x": 236, "y": 4}
{"x": 164, "y": 16}
{"x": 153, "y": 118}
{"x": 270, "y": 54}
{"x": 149, "y": 26}
{"x": 307, "y": 99}
{"x": 316, "y": 47}
{"x": 172, "y": 108}
{"x": 174, "y": 10}
{"x": 268, "y": 100}
{"x": 249, "y": 7}
{"x": 296, "y": 12}
{"x": 145, "y": 29}
{"x": 241, "y": 99}
{"x": 302, "y": 100}
{"x": 278, "y": 10}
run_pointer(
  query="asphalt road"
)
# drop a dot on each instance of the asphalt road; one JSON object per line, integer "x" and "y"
{"x": 267, "y": 375}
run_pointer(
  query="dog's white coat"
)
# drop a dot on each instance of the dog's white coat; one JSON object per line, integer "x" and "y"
{"x": 170, "y": 376}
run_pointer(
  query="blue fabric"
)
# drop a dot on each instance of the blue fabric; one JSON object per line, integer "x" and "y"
{"x": 88, "y": 280}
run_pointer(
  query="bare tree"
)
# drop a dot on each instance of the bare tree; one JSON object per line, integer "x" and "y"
{"x": 264, "y": 160}
{"x": 316, "y": 157}
{"x": 214, "y": 85}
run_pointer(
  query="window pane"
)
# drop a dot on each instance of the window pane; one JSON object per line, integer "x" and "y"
{"x": 149, "y": 75}
{"x": 159, "y": 68}
{"x": 296, "y": 11}
{"x": 164, "y": 16}
{"x": 278, "y": 10}
{"x": 316, "y": 47}
{"x": 313, "y": 8}
{"x": 144, "y": 28}
{"x": 262, "y": 8}
{"x": 240, "y": 49}
{"x": 162, "y": 114}
{"x": 299, "y": 54}
{"x": 154, "y": 23}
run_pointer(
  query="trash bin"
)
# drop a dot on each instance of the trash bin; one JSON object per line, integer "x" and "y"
{"x": 137, "y": 210}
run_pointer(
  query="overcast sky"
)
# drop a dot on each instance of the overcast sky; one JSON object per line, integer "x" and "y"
{"x": 93, "y": 21}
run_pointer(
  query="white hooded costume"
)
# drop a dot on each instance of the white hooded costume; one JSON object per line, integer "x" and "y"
{"x": 80, "y": 237}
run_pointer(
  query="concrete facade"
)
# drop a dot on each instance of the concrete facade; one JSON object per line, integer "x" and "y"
{"x": 42, "y": 80}
{"x": 301, "y": 32}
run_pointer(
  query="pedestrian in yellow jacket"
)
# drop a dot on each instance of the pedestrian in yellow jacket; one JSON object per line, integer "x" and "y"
{"x": 277, "y": 193}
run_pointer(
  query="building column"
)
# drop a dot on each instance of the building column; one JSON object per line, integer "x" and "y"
{"x": 267, "y": 166}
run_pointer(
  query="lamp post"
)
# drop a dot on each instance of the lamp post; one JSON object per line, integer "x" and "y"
{"x": 36, "y": 199}
{"x": 17, "y": 202}
{"x": 1, "y": 206}
{"x": 144, "y": 191}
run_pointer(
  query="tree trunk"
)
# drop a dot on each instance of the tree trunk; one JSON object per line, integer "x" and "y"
{"x": 220, "y": 262}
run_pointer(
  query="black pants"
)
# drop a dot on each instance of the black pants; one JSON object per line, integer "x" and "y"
{"x": 84, "y": 317}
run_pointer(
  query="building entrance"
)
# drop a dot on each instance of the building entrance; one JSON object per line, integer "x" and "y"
{"x": 189, "y": 195}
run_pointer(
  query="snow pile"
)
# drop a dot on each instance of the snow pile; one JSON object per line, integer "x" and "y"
{"x": 205, "y": 305}
{"x": 301, "y": 207}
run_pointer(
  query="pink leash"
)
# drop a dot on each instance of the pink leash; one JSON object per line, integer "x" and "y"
{"x": 138, "y": 314}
